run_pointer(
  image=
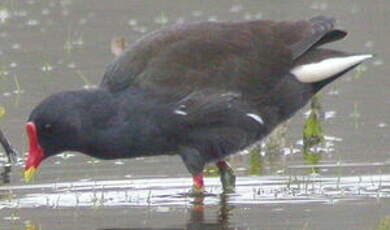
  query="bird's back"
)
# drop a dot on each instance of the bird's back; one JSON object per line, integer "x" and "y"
{"x": 227, "y": 84}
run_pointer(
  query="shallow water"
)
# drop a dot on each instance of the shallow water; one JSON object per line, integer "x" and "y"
{"x": 48, "y": 46}
{"x": 259, "y": 202}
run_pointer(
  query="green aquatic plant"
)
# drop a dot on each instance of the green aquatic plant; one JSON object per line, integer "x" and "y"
{"x": 273, "y": 147}
{"x": 355, "y": 115}
{"x": 313, "y": 134}
{"x": 276, "y": 140}
{"x": 3, "y": 71}
{"x": 359, "y": 71}
{"x": 384, "y": 223}
{"x": 4, "y": 15}
{"x": 2, "y": 112}
{"x": 255, "y": 161}
{"x": 312, "y": 131}
{"x": 17, "y": 84}
{"x": 18, "y": 91}
{"x": 68, "y": 45}
{"x": 10, "y": 5}
{"x": 83, "y": 78}
{"x": 311, "y": 157}
{"x": 162, "y": 19}
{"x": 28, "y": 225}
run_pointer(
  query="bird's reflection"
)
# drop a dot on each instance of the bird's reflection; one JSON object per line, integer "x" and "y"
{"x": 197, "y": 220}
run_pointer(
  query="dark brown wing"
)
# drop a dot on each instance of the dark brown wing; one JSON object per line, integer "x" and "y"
{"x": 208, "y": 55}
{"x": 213, "y": 123}
{"x": 304, "y": 35}
{"x": 245, "y": 57}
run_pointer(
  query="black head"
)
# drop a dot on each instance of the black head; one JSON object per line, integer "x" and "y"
{"x": 55, "y": 126}
{"x": 58, "y": 122}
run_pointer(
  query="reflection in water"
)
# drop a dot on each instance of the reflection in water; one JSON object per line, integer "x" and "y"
{"x": 4, "y": 179}
{"x": 164, "y": 191}
{"x": 268, "y": 156}
{"x": 197, "y": 219}
{"x": 5, "y": 175}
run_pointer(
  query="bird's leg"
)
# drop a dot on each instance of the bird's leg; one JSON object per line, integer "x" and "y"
{"x": 194, "y": 162}
{"x": 198, "y": 185}
{"x": 228, "y": 179}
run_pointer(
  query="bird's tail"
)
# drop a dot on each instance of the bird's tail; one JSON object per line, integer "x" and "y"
{"x": 325, "y": 65}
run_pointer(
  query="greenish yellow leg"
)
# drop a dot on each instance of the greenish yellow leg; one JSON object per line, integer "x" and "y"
{"x": 228, "y": 179}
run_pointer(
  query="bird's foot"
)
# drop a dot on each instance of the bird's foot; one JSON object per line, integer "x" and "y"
{"x": 228, "y": 179}
{"x": 198, "y": 185}
{"x": 196, "y": 191}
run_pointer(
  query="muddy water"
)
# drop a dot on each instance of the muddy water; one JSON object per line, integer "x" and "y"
{"x": 49, "y": 46}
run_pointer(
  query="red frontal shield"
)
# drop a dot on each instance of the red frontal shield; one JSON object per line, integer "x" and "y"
{"x": 35, "y": 153}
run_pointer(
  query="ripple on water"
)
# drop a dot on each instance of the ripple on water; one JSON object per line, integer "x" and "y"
{"x": 173, "y": 191}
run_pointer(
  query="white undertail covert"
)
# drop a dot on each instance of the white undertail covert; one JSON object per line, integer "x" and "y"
{"x": 318, "y": 71}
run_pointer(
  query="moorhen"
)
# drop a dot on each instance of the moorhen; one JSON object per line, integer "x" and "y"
{"x": 202, "y": 90}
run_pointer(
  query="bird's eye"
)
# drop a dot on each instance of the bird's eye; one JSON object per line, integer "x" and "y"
{"x": 48, "y": 128}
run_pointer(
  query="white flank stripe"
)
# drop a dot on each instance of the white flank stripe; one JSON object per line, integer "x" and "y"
{"x": 256, "y": 118}
{"x": 324, "y": 69}
{"x": 180, "y": 112}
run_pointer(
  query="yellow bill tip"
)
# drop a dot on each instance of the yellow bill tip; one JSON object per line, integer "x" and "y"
{"x": 29, "y": 174}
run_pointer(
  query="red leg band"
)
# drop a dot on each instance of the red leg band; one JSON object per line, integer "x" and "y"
{"x": 222, "y": 165}
{"x": 198, "y": 180}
